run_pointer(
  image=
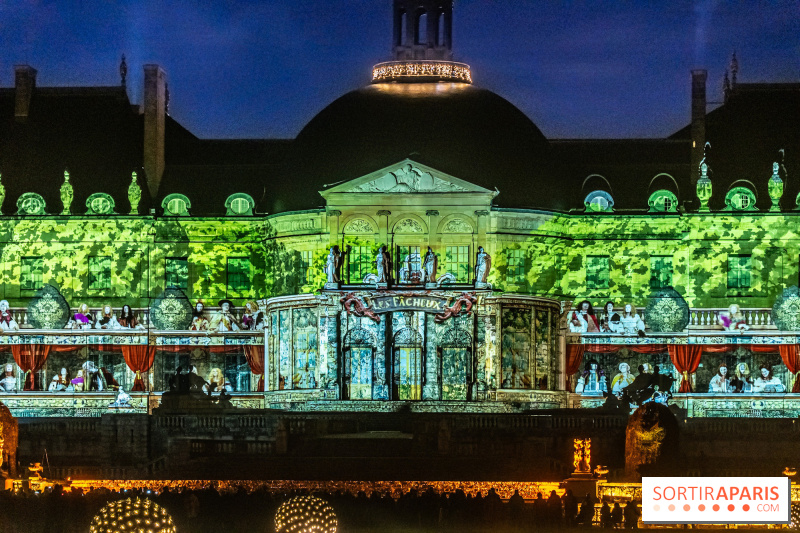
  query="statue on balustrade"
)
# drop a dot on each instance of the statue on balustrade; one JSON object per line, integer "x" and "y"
{"x": 720, "y": 382}
{"x": 766, "y": 382}
{"x": 82, "y": 319}
{"x": 253, "y": 318}
{"x": 216, "y": 382}
{"x": 623, "y": 379}
{"x": 742, "y": 382}
{"x": 108, "y": 320}
{"x": 9, "y": 381}
{"x": 593, "y": 381}
{"x": 223, "y": 320}
{"x": 7, "y": 322}
{"x": 383, "y": 262}
{"x": 429, "y": 266}
{"x": 632, "y": 324}
{"x": 483, "y": 264}
{"x": 733, "y": 319}
{"x": 60, "y": 382}
{"x": 127, "y": 320}
{"x": 199, "y": 320}
{"x": 610, "y": 321}
{"x": 583, "y": 319}
{"x": 333, "y": 266}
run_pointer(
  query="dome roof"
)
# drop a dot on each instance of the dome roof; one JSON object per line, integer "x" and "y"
{"x": 467, "y": 132}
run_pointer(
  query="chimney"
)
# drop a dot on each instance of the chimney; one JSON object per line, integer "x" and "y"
{"x": 154, "y": 126}
{"x": 698, "y": 120}
{"x": 24, "y": 83}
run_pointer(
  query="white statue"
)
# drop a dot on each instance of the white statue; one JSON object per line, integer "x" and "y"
{"x": 483, "y": 264}
{"x": 7, "y": 322}
{"x": 383, "y": 262}
{"x": 333, "y": 265}
{"x": 429, "y": 266}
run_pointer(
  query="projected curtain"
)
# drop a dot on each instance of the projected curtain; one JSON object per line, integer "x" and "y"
{"x": 686, "y": 358}
{"x": 139, "y": 358}
{"x": 255, "y": 358}
{"x": 30, "y": 358}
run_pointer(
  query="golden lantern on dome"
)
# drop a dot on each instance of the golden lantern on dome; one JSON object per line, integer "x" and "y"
{"x": 132, "y": 516}
{"x": 305, "y": 514}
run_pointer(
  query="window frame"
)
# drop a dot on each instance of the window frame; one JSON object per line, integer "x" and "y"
{"x": 591, "y": 277}
{"x": 229, "y": 288}
{"x": 167, "y": 284}
{"x": 92, "y": 276}
{"x": 40, "y": 260}
{"x": 735, "y": 273}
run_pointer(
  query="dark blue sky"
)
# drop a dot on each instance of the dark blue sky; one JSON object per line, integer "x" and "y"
{"x": 264, "y": 68}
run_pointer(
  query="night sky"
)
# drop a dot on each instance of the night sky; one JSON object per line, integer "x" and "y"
{"x": 265, "y": 68}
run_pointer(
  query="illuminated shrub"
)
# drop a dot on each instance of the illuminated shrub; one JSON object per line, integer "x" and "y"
{"x": 132, "y": 516}
{"x": 305, "y": 514}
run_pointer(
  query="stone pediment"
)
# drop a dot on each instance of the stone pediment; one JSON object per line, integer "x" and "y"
{"x": 406, "y": 177}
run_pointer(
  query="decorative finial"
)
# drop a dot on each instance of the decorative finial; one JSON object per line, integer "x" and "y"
{"x": 2, "y": 194}
{"x": 726, "y": 87}
{"x": 734, "y": 69}
{"x": 66, "y": 194}
{"x": 134, "y": 194}
{"x": 775, "y": 187}
{"x": 704, "y": 188}
{"x": 123, "y": 71}
{"x": 166, "y": 98}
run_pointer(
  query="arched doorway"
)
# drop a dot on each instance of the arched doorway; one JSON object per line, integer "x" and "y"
{"x": 359, "y": 360}
{"x": 455, "y": 365}
{"x": 408, "y": 363}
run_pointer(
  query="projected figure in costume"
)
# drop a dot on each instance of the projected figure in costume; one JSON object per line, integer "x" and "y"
{"x": 623, "y": 379}
{"x": 60, "y": 382}
{"x": 593, "y": 381}
{"x": 217, "y": 382}
{"x": 766, "y": 382}
{"x": 253, "y": 318}
{"x": 632, "y": 324}
{"x": 9, "y": 382}
{"x": 583, "y": 320}
{"x": 720, "y": 382}
{"x": 82, "y": 319}
{"x": 77, "y": 383}
{"x": 199, "y": 320}
{"x": 733, "y": 319}
{"x": 742, "y": 381}
{"x": 483, "y": 264}
{"x": 7, "y": 322}
{"x": 610, "y": 321}
{"x": 127, "y": 320}
{"x": 223, "y": 320}
{"x": 333, "y": 265}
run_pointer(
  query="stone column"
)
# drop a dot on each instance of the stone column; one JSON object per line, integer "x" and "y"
{"x": 383, "y": 229}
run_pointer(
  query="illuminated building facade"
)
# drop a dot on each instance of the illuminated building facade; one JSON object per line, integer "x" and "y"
{"x": 114, "y": 205}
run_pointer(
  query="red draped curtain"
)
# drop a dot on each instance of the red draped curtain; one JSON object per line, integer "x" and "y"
{"x": 686, "y": 358}
{"x": 30, "y": 359}
{"x": 790, "y": 353}
{"x": 255, "y": 358}
{"x": 139, "y": 358}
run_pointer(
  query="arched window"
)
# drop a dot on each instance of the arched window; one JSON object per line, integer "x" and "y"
{"x": 740, "y": 199}
{"x": 599, "y": 202}
{"x": 421, "y": 31}
{"x": 663, "y": 201}
{"x": 176, "y": 205}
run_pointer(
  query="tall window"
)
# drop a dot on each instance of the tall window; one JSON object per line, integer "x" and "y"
{"x": 176, "y": 272}
{"x": 31, "y": 273}
{"x": 238, "y": 274}
{"x": 597, "y": 272}
{"x": 99, "y": 272}
{"x": 516, "y": 266}
{"x": 739, "y": 267}
{"x": 408, "y": 263}
{"x": 457, "y": 260}
{"x": 360, "y": 263}
{"x": 660, "y": 271}
{"x": 421, "y": 33}
{"x": 306, "y": 258}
